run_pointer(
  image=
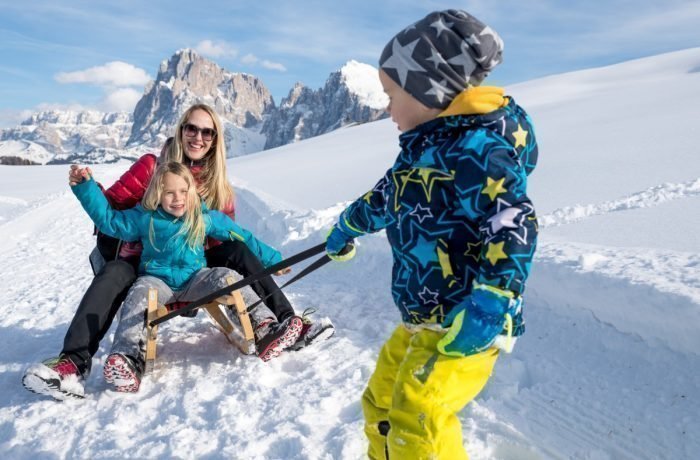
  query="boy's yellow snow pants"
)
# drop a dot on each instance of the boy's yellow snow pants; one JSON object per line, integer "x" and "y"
{"x": 419, "y": 392}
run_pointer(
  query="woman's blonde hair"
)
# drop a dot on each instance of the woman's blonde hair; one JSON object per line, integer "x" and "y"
{"x": 213, "y": 187}
{"x": 193, "y": 222}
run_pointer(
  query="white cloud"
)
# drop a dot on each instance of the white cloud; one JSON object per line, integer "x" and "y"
{"x": 252, "y": 59}
{"x": 216, "y": 49}
{"x": 249, "y": 59}
{"x": 121, "y": 100}
{"x": 112, "y": 74}
{"x": 273, "y": 65}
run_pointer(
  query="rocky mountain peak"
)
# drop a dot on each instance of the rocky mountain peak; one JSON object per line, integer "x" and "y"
{"x": 73, "y": 117}
{"x": 61, "y": 136}
{"x": 350, "y": 95}
{"x": 187, "y": 78}
{"x": 363, "y": 81}
{"x": 298, "y": 91}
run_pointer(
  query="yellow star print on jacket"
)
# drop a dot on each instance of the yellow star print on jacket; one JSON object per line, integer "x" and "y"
{"x": 455, "y": 210}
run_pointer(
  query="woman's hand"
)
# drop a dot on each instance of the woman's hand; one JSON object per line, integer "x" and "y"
{"x": 76, "y": 175}
{"x": 284, "y": 271}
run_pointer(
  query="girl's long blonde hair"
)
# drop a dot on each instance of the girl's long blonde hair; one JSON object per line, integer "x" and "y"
{"x": 214, "y": 187}
{"x": 193, "y": 222}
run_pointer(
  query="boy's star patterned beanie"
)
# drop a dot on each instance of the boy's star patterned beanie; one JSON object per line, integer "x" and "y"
{"x": 436, "y": 58}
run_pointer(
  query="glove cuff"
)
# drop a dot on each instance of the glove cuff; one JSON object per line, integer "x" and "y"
{"x": 493, "y": 289}
{"x": 346, "y": 227}
{"x": 493, "y": 301}
{"x": 346, "y": 256}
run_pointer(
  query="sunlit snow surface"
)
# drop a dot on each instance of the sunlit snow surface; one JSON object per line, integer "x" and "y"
{"x": 608, "y": 368}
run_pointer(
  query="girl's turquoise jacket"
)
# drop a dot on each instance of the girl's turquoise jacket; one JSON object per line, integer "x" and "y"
{"x": 168, "y": 256}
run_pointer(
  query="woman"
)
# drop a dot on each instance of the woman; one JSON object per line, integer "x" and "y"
{"x": 199, "y": 144}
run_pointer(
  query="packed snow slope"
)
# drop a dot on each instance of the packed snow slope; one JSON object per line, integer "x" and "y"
{"x": 609, "y": 366}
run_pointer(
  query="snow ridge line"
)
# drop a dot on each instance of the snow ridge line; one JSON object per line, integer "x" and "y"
{"x": 645, "y": 199}
{"x": 42, "y": 216}
{"x": 24, "y": 207}
{"x": 668, "y": 271}
{"x": 14, "y": 201}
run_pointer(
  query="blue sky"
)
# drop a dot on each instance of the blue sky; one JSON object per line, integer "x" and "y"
{"x": 99, "y": 55}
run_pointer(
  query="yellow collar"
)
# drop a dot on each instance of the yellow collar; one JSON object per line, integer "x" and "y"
{"x": 476, "y": 100}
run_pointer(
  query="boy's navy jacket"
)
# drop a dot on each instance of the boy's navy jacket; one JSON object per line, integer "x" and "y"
{"x": 168, "y": 256}
{"x": 455, "y": 210}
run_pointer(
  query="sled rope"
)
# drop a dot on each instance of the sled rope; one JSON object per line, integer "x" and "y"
{"x": 315, "y": 265}
{"x": 252, "y": 279}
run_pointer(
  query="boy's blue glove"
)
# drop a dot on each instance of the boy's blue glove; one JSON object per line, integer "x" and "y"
{"x": 339, "y": 245}
{"x": 340, "y": 240}
{"x": 475, "y": 323}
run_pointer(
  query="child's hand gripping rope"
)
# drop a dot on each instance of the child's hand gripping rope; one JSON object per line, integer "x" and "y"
{"x": 340, "y": 244}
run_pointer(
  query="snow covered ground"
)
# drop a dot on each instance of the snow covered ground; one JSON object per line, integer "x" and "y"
{"x": 608, "y": 369}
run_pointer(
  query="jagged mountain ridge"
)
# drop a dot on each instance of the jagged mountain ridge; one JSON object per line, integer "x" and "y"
{"x": 351, "y": 95}
{"x": 54, "y": 136}
{"x": 251, "y": 120}
{"x": 186, "y": 78}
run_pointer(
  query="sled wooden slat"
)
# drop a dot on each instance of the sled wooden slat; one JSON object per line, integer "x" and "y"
{"x": 243, "y": 316}
{"x": 242, "y": 337}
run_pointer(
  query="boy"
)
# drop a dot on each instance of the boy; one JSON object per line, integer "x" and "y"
{"x": 461, "y": 227}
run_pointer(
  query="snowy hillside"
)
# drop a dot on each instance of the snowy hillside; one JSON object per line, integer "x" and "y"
{"x": 609, "y": 367}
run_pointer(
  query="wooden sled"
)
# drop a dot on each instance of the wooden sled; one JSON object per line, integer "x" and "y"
{"x": 242, "y": 337}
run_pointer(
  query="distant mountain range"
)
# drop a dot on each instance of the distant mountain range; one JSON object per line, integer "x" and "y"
{"x": 251, "y": 119}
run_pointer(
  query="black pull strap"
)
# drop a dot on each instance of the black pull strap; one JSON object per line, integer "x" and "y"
{"x": 243, "y": 283}
{"x": 318, "y": 263}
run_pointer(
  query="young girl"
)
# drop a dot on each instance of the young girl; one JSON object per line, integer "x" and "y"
{"x": 171, "y": 223}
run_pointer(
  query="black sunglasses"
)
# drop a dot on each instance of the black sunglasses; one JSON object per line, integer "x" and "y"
{"x": 191, "y": 130}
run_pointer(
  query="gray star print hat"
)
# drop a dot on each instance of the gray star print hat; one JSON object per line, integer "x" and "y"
{"x": 439, "y": 56}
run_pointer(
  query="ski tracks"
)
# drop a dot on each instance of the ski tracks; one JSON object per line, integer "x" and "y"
{"x": 588, "y": 310}
{"x": 589, "y": 388}
{"x": 44, "y": 250}
{"x": 542, "y": 402}
{"x": 644, "y": 199}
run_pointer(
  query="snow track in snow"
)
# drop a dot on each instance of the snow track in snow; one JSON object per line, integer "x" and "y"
{"x": 44, "y": 250}
{"x": 608, "y": 367}
{"x": 651, "y": 197}
{"x": 579, "y": 384}
{"x": 584, "y": 384}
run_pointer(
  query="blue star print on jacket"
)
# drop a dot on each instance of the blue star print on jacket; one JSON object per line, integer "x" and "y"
{"x": 455, "y": 210}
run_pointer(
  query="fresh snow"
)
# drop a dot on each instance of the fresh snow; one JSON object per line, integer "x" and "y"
{"x": 609, "y": 366}
{"x": 362, "y": 80}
